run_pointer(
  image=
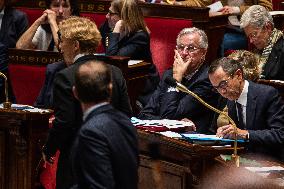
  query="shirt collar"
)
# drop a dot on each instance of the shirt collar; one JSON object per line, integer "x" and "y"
{"x": 243, "y": 97}
{"x": 89, "y": 110}
{"x": 2, "y": 12}
{"x": 78, "y": 56}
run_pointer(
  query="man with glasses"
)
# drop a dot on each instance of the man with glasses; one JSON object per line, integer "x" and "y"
{"x": 257, "y": 110}
{"x": 269, "y": 42}
{"x": 189, "y": 69}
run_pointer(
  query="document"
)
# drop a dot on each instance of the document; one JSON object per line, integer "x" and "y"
{"x": 133, "y": 62}
{"x": 208, "y": 139}
{"x": 215, "y": 7}
{"x": 161, "y": 125}
{"x": 27, "y": 108}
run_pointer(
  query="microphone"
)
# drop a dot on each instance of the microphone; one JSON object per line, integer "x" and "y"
{"x": 6, "y": 104}
{"x": 174, "y": 83}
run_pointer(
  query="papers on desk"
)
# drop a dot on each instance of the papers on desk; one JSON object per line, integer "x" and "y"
{"x": 27, "y": 108}
{"x": 272, "y": 13}
{"x": 215, "y": 7}
{"x": 133, "y": 62}
{"x": 208, "y": 139}
{"x": 273, "y": 172}
{"x": 265, "y": 169}
{"x": 161, "y": 125}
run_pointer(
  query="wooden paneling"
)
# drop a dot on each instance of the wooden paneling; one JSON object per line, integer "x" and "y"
{"x": 21, "y": 136}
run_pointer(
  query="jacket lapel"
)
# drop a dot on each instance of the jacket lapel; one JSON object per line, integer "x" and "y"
{"x": 251, "y": 106}
{"x": 232, "y": 112}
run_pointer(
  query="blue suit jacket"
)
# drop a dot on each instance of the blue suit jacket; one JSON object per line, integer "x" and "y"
{"x": 264, "y": 119}
{"x": 178, "y": 105}
{"x": 105, "y": 153}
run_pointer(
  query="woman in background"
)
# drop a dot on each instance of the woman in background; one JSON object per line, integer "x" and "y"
{"x": 125, "y": 33}
{"x": 42, "y": 34}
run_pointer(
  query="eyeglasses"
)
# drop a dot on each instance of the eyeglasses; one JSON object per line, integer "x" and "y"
{"x": 112, "y": 13}
{"x": 223, "y": 85}
{"x": 188, "y": 48}
{"x": 255, "y": 34}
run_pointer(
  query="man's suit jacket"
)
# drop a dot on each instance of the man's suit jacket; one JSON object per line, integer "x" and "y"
{"x": 264, "y": 119}
{"x": 14, "y": 24}
{"x": 67, "y": 109}
{"x": 178, "y": 105}
{"x": 136, "y": 46}
{"x": 274, "y": 67}
{"x": 45, "y": 97}
{"x": 105, "y": 154}
{"x": 68, "y": 116}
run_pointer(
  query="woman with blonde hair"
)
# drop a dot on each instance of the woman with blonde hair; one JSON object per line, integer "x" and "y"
{"x": 125, "y": 33}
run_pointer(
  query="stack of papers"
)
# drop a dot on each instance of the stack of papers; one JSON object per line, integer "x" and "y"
{"x": 27, "y": 108}
{"x": 161, "y": 125}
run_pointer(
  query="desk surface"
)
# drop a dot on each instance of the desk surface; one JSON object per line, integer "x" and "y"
{"x": 253, "y": 160}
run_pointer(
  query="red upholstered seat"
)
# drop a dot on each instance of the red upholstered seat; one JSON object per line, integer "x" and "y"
{"x": 26, "y": 81}
{"x": 32, "y": 14}
{"x": 163, "y": 39}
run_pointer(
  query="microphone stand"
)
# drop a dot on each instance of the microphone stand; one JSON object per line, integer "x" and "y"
{"x": 6, "y": 104}
{"x": 234, "y": 155}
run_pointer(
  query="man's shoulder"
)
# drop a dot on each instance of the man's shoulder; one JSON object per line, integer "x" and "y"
{"x": 56, "y": 66}
{"x": 108, "y": 118}
{"x": 260, "y": 87}
{"x": 262, "y": 90}
{"x": 168, "y": 72}
{"x": 279, "y": 45}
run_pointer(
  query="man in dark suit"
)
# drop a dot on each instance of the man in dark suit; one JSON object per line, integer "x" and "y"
{"x": 257, "y": 110}
{"x": 189, "y": 69}
{"x": 78, "y": 41}
{"x": 105, "y": 153}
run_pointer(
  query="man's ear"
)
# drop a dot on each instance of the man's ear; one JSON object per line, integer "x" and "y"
{"x": 75, "y": 92}
{"x": 239, "y": 73}
{"x": 110, "y": 87}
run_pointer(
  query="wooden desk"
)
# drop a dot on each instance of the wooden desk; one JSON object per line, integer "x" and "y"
{"x": 22, "y": 135}
{"x": 253, "y": 160}
{"x": 179, "y": 163}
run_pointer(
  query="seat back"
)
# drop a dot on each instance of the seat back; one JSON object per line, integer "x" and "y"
{"x": 26, "y": 70}
{"x": 278, "y": 5}
{"x": 163, "y": 39}
{"x": 26, "y": 81}
{"x": 32, "y": 14}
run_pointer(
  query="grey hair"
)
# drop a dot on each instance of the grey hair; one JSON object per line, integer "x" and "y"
{"x": 256, "y": 16}
{"x": 203, "y": 43}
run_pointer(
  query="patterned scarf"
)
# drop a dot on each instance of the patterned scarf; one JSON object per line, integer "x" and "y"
{"x": 275, "y": 35}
